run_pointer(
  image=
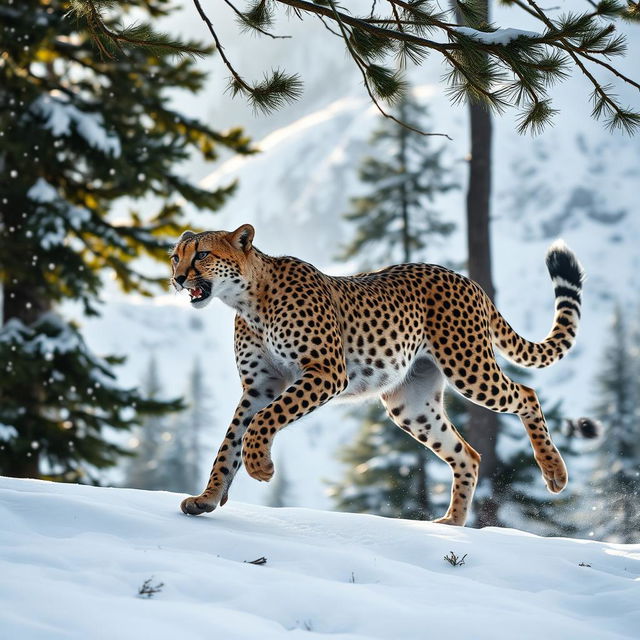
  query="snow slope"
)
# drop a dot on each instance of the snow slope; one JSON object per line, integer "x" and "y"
{"x": 72, "y": 559}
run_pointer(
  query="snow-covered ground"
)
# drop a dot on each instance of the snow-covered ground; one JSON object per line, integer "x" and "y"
{"x": 73, "y": 557}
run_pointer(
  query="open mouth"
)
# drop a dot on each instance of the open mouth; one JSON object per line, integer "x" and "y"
{"x": 200, "y": 293}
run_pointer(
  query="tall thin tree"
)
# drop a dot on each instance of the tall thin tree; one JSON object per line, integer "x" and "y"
{"x": 387, "y": 471}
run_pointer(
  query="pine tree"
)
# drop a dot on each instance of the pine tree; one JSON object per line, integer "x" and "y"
{"x": 497, "y": 68}
{"x": 386, "y": 470}
{"x": 181, "y": 464}
{"x": 80, "y": 130}
{"x": 616, "y": 481}
{"x": 407, "y": 174}
{"x": 143, "y": 469}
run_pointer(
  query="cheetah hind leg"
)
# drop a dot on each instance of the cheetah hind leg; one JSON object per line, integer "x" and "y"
{"x": 417, "y": 408}
{"x": 494, "y": 390}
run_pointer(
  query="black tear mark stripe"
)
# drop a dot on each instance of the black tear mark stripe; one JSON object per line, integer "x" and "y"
{"x": 193, "y": 261}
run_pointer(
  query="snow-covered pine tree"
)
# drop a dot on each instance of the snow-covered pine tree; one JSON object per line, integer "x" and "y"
{"x": 396, "y": 219}
{"x": 180, "y": 462}
{"x": 386, "y": 470}
{"x": 616, "y": 481}
{"x": 80, "y": 129}
{"x": 143, "y": 469}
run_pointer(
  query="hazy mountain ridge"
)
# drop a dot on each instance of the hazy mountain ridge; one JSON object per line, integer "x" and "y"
{"x": 297, "y": 189}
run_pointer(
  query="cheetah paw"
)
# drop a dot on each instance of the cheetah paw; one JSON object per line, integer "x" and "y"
{"x": 260, "y": 469}
{"x": 257, "y": 460}
{"x": 448, "y": 520}
{"x": 556, "y": 480}
{"x": 195, "y": 505}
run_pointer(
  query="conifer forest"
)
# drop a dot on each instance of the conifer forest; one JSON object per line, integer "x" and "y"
{"x": 353, "y": 135}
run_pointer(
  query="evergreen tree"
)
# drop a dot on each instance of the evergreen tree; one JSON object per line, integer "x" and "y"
{"x": 79, "y": 131}
{"x": 616, "y": 481}
{"x": 386, "y": 470}
{"x": 143, "y": 469}
{"x": 56, "y": 400}
{"x": 181, "y": 464}
{"x": 397, "y": 219}
{"x": 497, "y": 68}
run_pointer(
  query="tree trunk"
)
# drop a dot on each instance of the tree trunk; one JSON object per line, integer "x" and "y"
{"x": 402, "y": 158}
{"x": 27, "y": 305}
{"x": 483, "y": 424}
{"x": 27, "y": 467}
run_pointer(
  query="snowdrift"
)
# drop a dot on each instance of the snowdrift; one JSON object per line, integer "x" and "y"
{"x": 72, "y": 559}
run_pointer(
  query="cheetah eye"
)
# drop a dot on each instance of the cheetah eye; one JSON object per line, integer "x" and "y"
{"x": 202, "y": 254}
{"x": 175, "y": 258}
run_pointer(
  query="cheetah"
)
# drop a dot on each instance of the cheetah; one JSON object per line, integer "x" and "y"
{"x": 303, "y": 338}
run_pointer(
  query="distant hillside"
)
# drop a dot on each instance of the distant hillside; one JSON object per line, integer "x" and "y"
{"x": 575, "y": 180}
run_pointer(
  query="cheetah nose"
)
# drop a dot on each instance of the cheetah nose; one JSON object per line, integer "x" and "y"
{"x": 180, "y": 279}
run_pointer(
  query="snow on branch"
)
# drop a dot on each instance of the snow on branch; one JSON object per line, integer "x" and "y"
{"x": 61, "y": 116}
{"x": 499, "y": 36}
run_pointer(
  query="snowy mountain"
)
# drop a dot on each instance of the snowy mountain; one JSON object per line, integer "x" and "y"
{"x": 73, "y": 558}
{"x": 576, "y": 180}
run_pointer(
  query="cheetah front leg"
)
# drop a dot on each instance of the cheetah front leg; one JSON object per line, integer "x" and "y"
{"x": 227, "y": 461}
{"x": 317, "y": 385}
{"x": 261, "y": 384}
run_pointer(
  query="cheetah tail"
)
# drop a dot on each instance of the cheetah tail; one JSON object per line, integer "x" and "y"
{"x": 567, "y": 276}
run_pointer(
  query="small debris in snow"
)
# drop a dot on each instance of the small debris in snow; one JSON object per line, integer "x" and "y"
{"x": 261, "y": 560}
{"x": 454, "y": 560}
{"x": 148, "y": 590}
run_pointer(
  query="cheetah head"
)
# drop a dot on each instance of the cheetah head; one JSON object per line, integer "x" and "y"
{"x": 212, "y": 264}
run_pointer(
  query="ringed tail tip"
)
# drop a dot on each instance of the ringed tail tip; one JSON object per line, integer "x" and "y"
{"x": 563, "y": 264}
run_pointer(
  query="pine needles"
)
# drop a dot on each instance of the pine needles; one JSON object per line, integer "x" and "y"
{"x": 499, "y": 68}
{"x": 113, "y": 41}
{"x": 273, "y": 92}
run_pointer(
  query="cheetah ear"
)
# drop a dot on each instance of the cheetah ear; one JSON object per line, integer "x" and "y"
{"x": 242, "y": 237}
{"x": 186, "y": 234}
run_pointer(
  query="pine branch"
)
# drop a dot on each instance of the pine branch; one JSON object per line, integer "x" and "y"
{"x": 499, "y": 68}
{"x": 266, "y": 96}
{"x": 617, "y": 117}
{"x": 110, "y": 42}
{"x": 272, "y": 93}
{"x": 386, "y": 84}
{"x": 351, "y": 21}
{"x": 248, "y": 20}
